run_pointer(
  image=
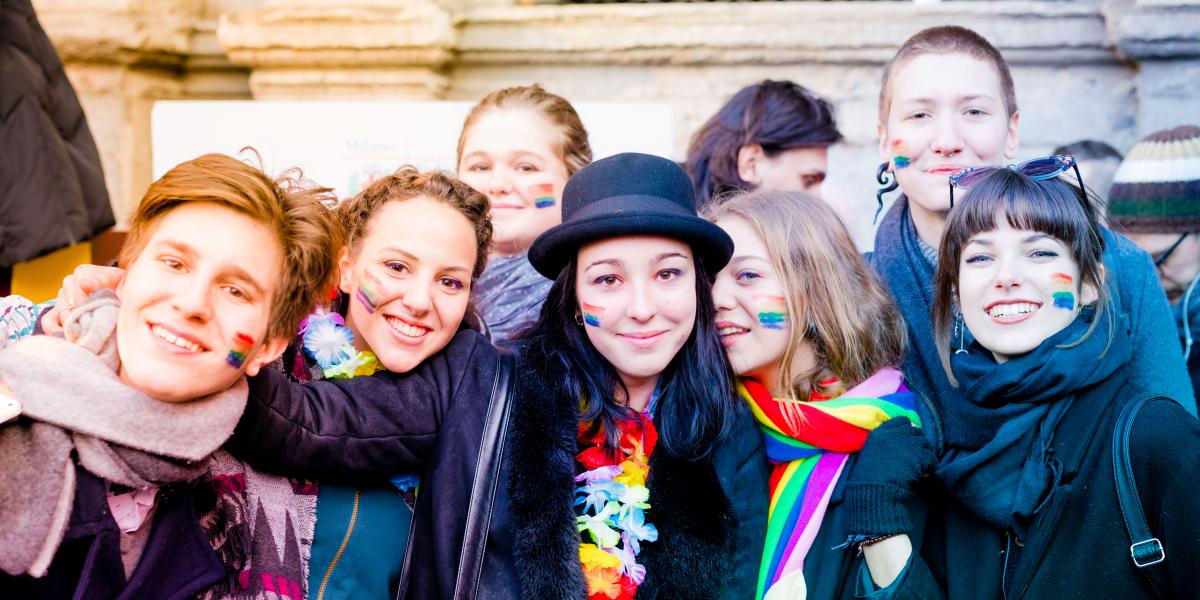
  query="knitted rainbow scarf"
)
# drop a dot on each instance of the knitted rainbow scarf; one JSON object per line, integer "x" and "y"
{"x": 808, "y": 462}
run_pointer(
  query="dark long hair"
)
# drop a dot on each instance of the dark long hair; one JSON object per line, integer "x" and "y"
{"x": 1053, "y": 207}
{"x": 777, "y": 115}
{"x": 696, "y": 398}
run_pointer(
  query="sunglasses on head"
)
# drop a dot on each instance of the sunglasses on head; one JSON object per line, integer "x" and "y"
{"x": 1037, "y": 169}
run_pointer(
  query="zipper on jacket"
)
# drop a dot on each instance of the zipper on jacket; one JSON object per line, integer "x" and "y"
{"x": 342, "y": 548}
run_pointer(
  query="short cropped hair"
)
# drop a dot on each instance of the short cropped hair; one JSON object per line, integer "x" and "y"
{"x": 291, "y": 207}
{"x": 407, "y": 183}
{"x": 948, "y": 39}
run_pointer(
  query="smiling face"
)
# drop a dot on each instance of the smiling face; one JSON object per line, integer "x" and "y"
{"x": 1017, "y": 287}
{"x": 637, "y": 298}
{"x": 409, "y": 279}
{"x": 195, "y": 303}
{"x": 511, "y": 155}
{"x": 946, "y": 113}
{"x": 752, "y": 315}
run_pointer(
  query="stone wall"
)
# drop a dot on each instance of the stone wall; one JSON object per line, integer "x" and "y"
{"x": 1110, "y": 71}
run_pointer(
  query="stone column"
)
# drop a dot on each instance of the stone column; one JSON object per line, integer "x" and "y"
{"x": 121, "y": 56}
{"x": 1161, "y": 36}
{"x": 343, "y": 49}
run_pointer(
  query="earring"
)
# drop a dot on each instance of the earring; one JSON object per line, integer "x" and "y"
{"x": 887, "y": 179}
{"x": 960, "y": 329}
{"x": 578, "y": 319}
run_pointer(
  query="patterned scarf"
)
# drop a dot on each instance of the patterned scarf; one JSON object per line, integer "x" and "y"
{"x": 809, "y": 458}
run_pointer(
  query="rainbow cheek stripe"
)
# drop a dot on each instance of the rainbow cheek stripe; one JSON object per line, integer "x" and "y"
{"x": 367, "y": 294}
{"x": 543, "y": 195}
{"x": 591, "y": 314}
{"x": 775, "y": 314}
{"x": 1064, "y": 294}
{"x": 242, "y": 344}
{"x": 900, "y": 154}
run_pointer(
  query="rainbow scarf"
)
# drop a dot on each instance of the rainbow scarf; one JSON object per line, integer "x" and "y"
{"x": 808, "y": 461}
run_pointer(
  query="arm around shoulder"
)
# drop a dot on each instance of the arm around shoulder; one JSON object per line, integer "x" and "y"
{"x": 378, "y": 425}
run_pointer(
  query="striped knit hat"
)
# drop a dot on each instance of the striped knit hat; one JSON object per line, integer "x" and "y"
{"x": 1157, "y": 187}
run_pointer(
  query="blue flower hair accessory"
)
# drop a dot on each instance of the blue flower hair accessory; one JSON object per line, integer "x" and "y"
{"x": 330, "y": 342}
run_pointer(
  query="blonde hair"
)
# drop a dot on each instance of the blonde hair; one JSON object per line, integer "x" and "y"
{"x": 291, "y": 207}
{"x": 573, "y": 148}
{"x": 833, "y": 299}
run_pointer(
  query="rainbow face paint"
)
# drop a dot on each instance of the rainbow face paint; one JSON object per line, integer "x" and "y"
{"x": 242, "y": 344}
{"x": 900, "y": 158}
{"x": 774, "y": 315}
{"x": 1064, "y": 291}
{"x": 591, "y": 314}
{"x": 543, "y": 195}
{"x": 367, "y": 293}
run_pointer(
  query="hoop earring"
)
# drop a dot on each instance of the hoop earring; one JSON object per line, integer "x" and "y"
{"x": 961, "y": 330}
{"x": 887, "y": 179}
{"x": 579, "y": 319}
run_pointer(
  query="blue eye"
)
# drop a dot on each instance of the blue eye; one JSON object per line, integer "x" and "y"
{"x": 1044, "y": 254}
{"x": 977, "y": 259}
{"x": 747, "y": 276}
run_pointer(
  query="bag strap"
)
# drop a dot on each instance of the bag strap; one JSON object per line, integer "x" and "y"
{"x": 1146, "y": 550}
{"x": 487, "y": 478}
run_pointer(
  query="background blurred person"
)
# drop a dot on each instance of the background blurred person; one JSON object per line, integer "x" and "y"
{"x": 1097, "y": 162}
{"x": 772, "y": 135}
{"x": 518, "y": 146}
{"x": 1155, "y": 200}
{"x": 52, "y": 190}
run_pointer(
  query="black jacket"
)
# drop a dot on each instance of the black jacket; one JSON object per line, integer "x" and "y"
{"x": 176, "y": 563}
{"x": 1077, "y": 545}
{"x": 711, "y": 515}
{"x": 52, "y": 190}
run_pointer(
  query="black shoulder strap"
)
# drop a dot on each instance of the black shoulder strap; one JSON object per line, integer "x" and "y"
{"x": 487, "y": 477}
{"x": 1145, "y": 549}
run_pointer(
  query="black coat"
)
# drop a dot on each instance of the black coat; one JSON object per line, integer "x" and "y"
{"x": 711, "y": 514}
{"x": 52, "y": 190}
{"x": 1077, "y": 545}
{"x": 176, "y": 563}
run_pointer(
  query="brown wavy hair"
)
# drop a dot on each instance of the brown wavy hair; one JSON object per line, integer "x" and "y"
{"x": 407, "y": 183}
{"x": 835, "y": 301}
{"x": 295, "y": 209}
{"x": 573, "y": 148}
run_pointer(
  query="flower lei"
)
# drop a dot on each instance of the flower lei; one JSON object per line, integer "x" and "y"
{"x": 329, "y": 342}
{"x": 613, "y": 498}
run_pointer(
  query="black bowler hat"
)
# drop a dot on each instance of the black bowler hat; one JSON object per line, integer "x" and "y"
{"x": 629, "y": 194}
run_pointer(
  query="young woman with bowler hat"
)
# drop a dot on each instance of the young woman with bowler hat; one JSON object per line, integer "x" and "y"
{"x": 628, "y": 464}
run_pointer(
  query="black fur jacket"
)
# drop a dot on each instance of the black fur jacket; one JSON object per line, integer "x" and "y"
{"x": 711, "y": 515}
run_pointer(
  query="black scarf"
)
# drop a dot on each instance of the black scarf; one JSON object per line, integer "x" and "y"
{"x": 997, "y": 462}
{"x": 899, "y": 261}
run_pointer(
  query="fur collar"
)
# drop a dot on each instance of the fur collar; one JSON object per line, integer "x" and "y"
{"x": 695, "y": 519}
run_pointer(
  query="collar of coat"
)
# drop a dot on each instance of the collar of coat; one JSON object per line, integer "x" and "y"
{"x": 695, "y": 519}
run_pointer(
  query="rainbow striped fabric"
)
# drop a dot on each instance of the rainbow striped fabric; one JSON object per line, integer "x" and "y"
{"x": 808, "y": 459}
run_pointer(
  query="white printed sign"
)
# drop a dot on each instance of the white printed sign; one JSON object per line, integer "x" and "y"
{"x": 344, "y": 144}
